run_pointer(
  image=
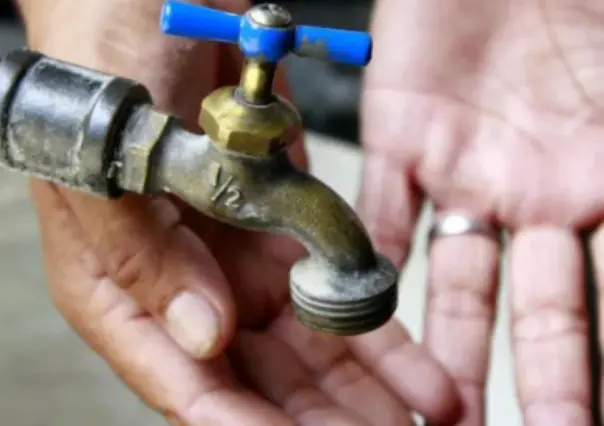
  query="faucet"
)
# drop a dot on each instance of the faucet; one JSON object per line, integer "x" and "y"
{"x": 100, "y": 134}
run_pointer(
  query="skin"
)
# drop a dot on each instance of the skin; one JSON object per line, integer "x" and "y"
{"x": 488, "y": 108}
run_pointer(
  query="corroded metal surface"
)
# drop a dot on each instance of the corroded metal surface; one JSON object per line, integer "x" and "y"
{"x": 60, "y": 122}
{"x": 270, "y": 15}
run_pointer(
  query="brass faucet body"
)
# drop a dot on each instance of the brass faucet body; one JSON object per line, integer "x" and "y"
{"x": 112, "y": 141}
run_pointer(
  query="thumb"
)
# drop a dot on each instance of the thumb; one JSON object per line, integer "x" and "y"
{"x": 388, "y": 205}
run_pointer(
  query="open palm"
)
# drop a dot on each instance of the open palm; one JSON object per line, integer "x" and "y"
{"x": 494, "y": 109}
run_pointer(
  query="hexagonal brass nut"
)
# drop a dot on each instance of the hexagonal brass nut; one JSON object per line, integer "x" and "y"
{"x": 257, "y": 130}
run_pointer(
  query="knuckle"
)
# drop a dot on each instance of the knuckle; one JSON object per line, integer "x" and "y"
{"x": 392, "y": 352}
{"x": 344, "y": 374}
{"x": 548, "y": 323}
{"x": 133, "y": 252}
{"x": 461, "y": 302}
{"x": 131, "y": 264}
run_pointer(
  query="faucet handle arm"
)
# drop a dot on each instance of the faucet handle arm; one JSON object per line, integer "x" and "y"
{"x": 199, "y": 22}
{"x": 335, "y": 45}
{"x": 265, "y": 32}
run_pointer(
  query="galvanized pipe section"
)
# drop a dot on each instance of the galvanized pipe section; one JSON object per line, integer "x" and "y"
{"x": 61, "y": 122}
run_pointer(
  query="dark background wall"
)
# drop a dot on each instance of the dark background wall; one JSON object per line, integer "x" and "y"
{"x": 327, "y": 95}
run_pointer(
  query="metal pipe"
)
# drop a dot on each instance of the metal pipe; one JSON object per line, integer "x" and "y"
{"x": 60, "y": 122}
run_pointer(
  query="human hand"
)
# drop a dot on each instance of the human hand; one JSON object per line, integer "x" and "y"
{"x": 493, "y": 109}
{"x": 192, "y": 314}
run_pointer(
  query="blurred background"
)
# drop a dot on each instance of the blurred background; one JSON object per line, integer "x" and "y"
{"x": 49, "y": 378}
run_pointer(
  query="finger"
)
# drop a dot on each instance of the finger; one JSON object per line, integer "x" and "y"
{"x": 462, "y": 289}
{"x": 408, "y": 369}
{"x": 388, "y": 203}
{"x": 597, "y": 247}
{"x": 550, "y": 327}
{"x": 134, "y": 345}
{"x": 246, "y": 257}
{"x": 169, "y": 271}
{"x": 391, "y": 132}
{"x": 273, "y": 369}
{"x": 336, "y": 371}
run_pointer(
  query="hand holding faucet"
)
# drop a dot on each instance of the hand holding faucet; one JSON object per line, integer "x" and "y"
{"x": 155, "y": 287}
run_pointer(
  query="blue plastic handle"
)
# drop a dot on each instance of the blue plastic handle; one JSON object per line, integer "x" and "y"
{"x": 203, "y": 23}
{"x": 342, "y": 46}
{"x": 267, "y": 43}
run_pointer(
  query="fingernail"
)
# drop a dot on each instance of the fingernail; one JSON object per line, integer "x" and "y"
{"x": 194, "y": 324}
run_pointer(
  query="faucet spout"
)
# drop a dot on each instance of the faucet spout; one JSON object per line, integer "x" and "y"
{"x": 343, "y": 286}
